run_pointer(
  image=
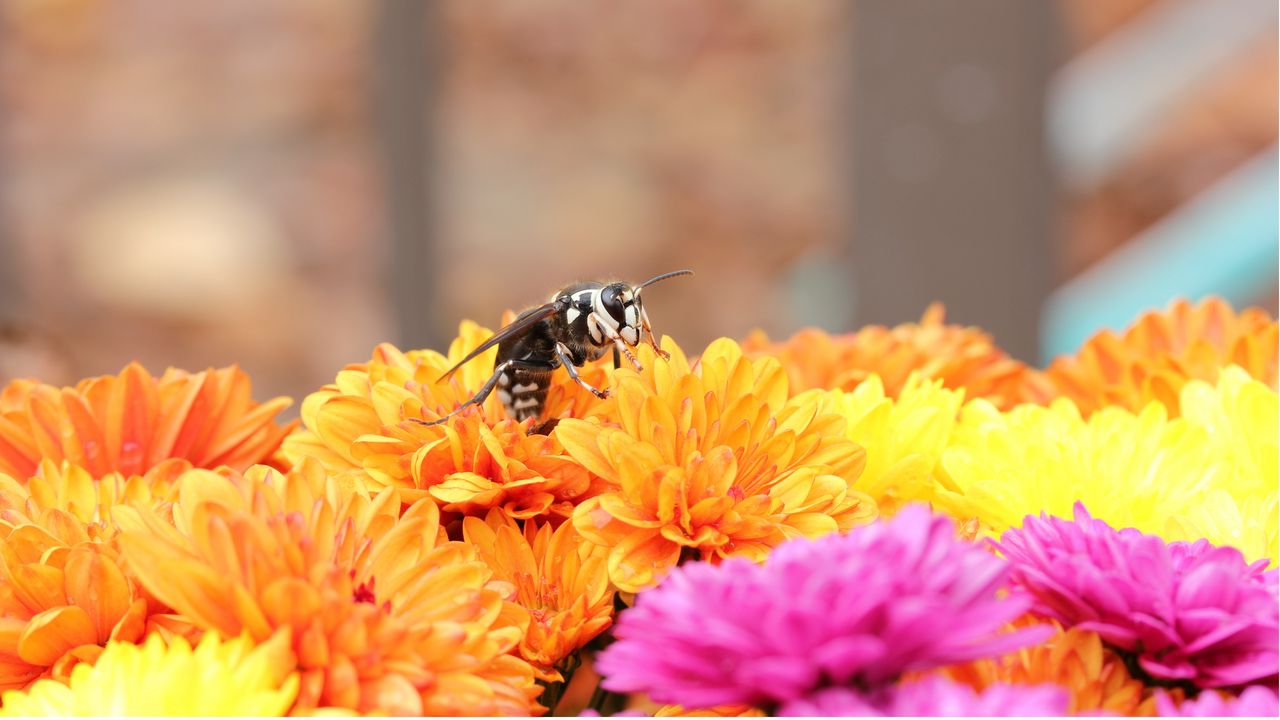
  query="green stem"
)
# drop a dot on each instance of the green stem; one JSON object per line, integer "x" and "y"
{"x": 553, "y": 692}
{"x": 607, "y": 702}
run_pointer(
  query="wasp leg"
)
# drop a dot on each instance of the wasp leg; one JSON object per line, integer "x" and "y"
{"x": 618, "y": 342}
{"x": 617, "y": 358}
{"x": 567, "y": 360}
{"x": 653, "y": 339}
{"x": 484, "y": 390}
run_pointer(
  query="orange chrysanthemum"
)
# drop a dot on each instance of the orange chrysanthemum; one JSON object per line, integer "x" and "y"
{"x": 713, "y": 460}
{"x": 131, "y": 422}
{"x": 385, "y": 613}
{"x": 477, "y": 460}
{"x": 1075, "y": 659}
{"x": 1163, "y": 350}
{"x": 959, "y": 356}
{"x": 560, "y": 580}
{"x": 63, "y": 591}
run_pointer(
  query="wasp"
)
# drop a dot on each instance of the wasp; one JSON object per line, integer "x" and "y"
{"x": 579, "y": 324}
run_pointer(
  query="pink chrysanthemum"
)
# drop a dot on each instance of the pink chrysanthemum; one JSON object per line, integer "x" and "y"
{"x": 933, "y": 696}
{"x": 1187, "y": 612}
{"x": 843, "y": 610}
{"x": 1255, "y": 701}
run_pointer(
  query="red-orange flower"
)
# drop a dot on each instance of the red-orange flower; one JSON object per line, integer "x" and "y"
{"x": 385, "y": 613}
{"x": 959, "y": 356}
{"x": 1163, "y": 350}
{"x": 1075, "y": 659}
{"x": 63, "y": 591}
{"x": 363, "y": 423}
{"x": 713, "y": 460}
{"x": 131, "y": 422}
{"x": 560, "y": 580}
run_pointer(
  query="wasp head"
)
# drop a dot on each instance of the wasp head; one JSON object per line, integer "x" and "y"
{"x": 618, "y": 304}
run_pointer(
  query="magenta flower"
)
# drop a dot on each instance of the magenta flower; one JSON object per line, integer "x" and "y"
{"x": 1255, "y": 701}
{"x": 843, "y": 610}
{"x": 1187, "y": 611}
{"x": 934, "y": 697}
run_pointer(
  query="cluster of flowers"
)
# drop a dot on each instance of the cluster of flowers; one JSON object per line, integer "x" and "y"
{"x": 897, "y": 521}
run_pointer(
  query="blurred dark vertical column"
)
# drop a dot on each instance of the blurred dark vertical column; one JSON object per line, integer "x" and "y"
{"x": 953, "y": 198}
{"x": 406, "y": 54}
{"x": 9, "y": 290}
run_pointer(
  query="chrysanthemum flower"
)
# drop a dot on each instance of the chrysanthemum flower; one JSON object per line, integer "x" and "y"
{"x": 560, "y": 580}
{"x": 131, "y": 422}
{"x": 961, "y": 357}
{"x": 63, "y": 591}
{"x": 853, "y": 610}
{"x": 932, "y": 697}
{"x": 1075, "y": 659}
{"x": 218, "y": 677}
{"x": 386, "y": 615}
{"x": 904, "y": 437}
{"x": 1255, "y": 701}
{"x": 59, "y": 611}
{"x": 363, "y": 423}
{"x": 1187, "y": 612}
{"x": 1162, "y": 351}
{"x": 1211, "y": 473}
{"x": 713, "y": 460}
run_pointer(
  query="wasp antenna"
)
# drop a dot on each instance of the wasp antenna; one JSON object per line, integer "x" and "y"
{"x": 663, "y": 276}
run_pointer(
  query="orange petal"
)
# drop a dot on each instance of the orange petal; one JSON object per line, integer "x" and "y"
{"x": 619, "y": 508}
{"x": 131, "y": 414}
{"x": 392, "y": 694}
{"x": 52, "y": 633}
{"x": 290, "y": 601}
{"x": 581, "y": 439}
{"x": 641, "y": 560}
{"x": 61, "y": 669}
{"x": 96, "y": 584}
{"x": 132, "y": 626}
{"x": 38, "y": 587}
{"x": 344, "y": 419}
{"x": 18, "y": 452}
{"x": 182, "y": 583}
{"x": 595, "y": 524}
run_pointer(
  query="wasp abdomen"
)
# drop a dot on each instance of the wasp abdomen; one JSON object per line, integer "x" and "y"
{"x": 523, "y": 391}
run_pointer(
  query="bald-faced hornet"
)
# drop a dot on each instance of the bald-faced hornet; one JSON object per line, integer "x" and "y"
{"x": 579, "y": 324}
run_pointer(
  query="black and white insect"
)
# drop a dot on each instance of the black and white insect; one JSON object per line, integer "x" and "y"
{"x": 579, "y": 324}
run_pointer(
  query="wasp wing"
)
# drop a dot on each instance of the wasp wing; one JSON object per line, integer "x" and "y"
{"x": 520, "y": 326}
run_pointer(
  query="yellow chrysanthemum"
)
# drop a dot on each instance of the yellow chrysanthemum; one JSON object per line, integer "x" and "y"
{"x": 63, "y": 591}
{"x": 1075, "y": 659}
{"x": 477, "y": 460}
{"x": 1163, "y": 350}
{"x": 904, "y": 438}
{"x": 561, "y": 581}
{"x": 131, "y": 422}
{"x": 217, "y": 678}
{"x": 1212, "y": 475}
{"x": 713, "y": 460}
{"x": 386, "y": 615}
{"x": 961, "y": 357}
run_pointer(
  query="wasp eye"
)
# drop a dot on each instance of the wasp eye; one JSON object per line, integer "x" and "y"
{"x": 611, "y": 299}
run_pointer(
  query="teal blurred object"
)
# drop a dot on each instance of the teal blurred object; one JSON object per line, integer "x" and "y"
{"x": 1225, "y": 242}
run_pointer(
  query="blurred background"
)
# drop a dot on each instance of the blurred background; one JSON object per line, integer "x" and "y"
{"x": 285, "y": 184}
